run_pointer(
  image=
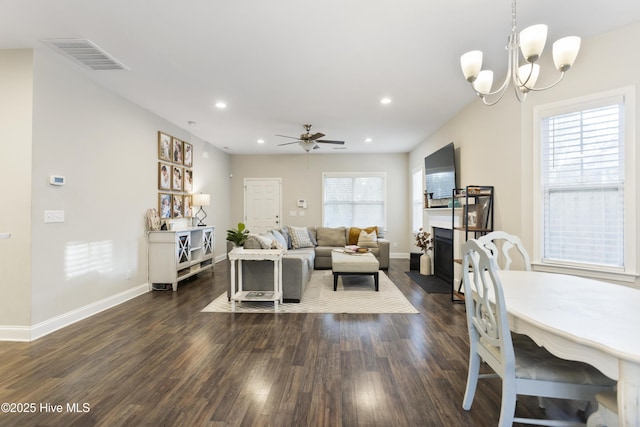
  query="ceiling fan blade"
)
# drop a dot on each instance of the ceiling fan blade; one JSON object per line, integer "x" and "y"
{"x": 292, "y": 137}
{"x": 316, "y": 136}
{"x": 289, "y": 143}
{"x": 326, "y": 141}
{"x": 315, "y": 147}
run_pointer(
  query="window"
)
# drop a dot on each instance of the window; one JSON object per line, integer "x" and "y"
{"x": 354, "y": 199}
{"x": 586, "y": 185}
{"x": 416, "y": 200}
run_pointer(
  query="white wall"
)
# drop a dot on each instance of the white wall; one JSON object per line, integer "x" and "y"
{"x": 495, "y": 145}
{"x": 106, "y": 147}
{"x": 16, "y": 83}
{"x": 301, "y": 176}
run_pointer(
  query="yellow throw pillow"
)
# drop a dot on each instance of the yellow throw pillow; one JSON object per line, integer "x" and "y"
{"x": 354, "y": 233}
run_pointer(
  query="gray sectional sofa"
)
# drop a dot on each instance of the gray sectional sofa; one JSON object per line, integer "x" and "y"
{"x": 303, "y": 256}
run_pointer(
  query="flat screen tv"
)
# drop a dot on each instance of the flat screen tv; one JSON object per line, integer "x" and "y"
{"x": 440, "y": 171}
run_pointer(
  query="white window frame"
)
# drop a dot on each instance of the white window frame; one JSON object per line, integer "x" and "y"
{"x": 382, "y": 175}
{"x": 629, "y": 272}
{"x": 417, "y": 199}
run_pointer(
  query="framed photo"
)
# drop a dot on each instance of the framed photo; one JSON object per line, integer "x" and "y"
{"x": 187, "y": 150}
{"x": 176, "y": 178}
{"x": 177, "y": 206}
{"x": 474, "y": 216}
{"x": 177, "y": 151}
{"x": 187, "y": 180}
{"x": 187, "y": 203}
{"x": 164, "y": 205}
{"x": 164, "y": 176}
{"x": 164, "y": 146}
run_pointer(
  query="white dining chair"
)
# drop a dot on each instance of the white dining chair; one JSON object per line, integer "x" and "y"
{"x": 607, "y": 413}
{"x": 502, "y": 245}
{"x": 524, "y": 367}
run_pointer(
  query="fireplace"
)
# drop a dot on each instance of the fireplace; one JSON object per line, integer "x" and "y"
{"x": 443, "y": 254}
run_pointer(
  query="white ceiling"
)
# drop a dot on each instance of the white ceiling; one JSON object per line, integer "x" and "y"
{"x": 282, "y": 63}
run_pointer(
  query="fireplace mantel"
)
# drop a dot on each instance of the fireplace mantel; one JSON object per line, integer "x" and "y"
{"x": 441, "y": 217}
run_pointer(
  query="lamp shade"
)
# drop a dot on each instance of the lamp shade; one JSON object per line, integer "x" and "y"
{"x": 201, "y": 199}
{"x": 527, "y": 76}
{"x": 532, "y": 41}
{"x": 471, "y": 63}
{"x": 483, "y": 82}
{"x": 565, "y": 52}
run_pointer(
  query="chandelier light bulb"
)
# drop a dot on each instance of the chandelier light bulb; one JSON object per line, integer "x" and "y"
{"x": 471, "y": 63}
{"x": 565, "y": 52}
{"x": 532, "y": 41}
{"x": 483, "y": 82}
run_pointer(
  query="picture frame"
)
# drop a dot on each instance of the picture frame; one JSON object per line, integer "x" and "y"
{"x": 164, "y": 146}
{"x": 164, "y": 176}
{"x": 176, "y": 203}
{"x": 187, "y": 150}
{"x": 176, "y": 151}
{"x": 164, "y": 205}
{"x": 473, "y": 216}
{"x": 176, "y": 178}
{"x": 187, "y": 204}
{"x": 187, "y": 180}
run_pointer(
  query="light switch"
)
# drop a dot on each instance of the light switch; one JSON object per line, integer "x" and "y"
{"x": 53, "y": 216}
{"x": 293, "y": 213}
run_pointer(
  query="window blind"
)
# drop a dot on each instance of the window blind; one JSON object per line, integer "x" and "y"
{"x": 353, "y": 200}
{"x": 583, "y": 184}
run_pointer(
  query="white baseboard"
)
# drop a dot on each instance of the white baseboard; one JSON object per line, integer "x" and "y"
{"x": 399, "y": 255}
{"x": 26, "y": 333}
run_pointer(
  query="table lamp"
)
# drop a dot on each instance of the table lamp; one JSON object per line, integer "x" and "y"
{"x": 201, "y": 200}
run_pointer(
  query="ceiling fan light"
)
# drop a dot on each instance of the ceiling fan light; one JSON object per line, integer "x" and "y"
{"x": 483, "y": 82}
{"x": 471, "y": 63}
{"x": 532, "y": 41}
{"x": 565, "y": 52}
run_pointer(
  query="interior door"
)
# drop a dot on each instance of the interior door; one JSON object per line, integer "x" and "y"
{"x": 262, "y": 204}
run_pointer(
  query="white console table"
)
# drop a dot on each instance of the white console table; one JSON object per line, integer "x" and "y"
{"x": 238, "y": 255}
{"x": 176, "y": 255}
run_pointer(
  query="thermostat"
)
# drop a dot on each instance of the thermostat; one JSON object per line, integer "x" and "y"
{"x": 302, "y": 203}
{"x": 56, "y": 180}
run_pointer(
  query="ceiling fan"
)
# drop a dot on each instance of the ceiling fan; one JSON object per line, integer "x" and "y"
{"x": 308, "y": 141}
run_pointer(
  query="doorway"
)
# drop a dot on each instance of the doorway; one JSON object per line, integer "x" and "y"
{"x": 262, "y": 204}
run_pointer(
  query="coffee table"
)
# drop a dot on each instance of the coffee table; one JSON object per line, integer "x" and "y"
{"x": 345, "y": 264}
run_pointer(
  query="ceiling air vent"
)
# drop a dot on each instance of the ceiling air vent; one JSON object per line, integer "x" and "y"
{"x": 86, "y": 53}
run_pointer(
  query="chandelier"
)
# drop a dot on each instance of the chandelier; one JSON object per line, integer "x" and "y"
{"x": 531, "y": 42}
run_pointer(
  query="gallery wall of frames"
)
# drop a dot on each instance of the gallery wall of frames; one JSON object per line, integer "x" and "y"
{"x": 175, "y": 177}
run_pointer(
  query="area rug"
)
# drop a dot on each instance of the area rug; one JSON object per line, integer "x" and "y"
{"x": 430, "y": 283}
{"x": 355, "y": 294}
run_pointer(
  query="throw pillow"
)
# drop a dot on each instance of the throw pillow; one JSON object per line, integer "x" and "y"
{"x": 287, "y": 237}
{"x": 368, "y": 240}
{"x": 299, "y": 237}
{"x": 332, "y": 237}
{"x": 354, "y": 233}
{"x": 277, "y": 236}
{"x": 263, "y": 241}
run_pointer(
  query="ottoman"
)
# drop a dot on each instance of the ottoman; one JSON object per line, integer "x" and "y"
{"x": 354, "y": 264}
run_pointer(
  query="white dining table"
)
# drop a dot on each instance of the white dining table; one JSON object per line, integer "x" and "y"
{"x": 581, "y": 319}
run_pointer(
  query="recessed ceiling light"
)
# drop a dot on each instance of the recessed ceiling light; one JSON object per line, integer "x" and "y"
{"x": 385, "y": 101}
{"x": 221, "y": 105}
{"x": 368, "y": 140}
{"x": 261, "y": 141}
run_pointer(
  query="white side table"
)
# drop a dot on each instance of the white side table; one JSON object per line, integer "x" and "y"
{"x": 238, "y": 255}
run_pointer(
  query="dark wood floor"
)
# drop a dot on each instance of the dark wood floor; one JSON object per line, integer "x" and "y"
{"x": 157, "y": 360}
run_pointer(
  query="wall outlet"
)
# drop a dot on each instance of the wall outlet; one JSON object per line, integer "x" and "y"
{"x": 129, "y": 274}
{"x": 53, "y": 216}
{"x": 395, "y": 244}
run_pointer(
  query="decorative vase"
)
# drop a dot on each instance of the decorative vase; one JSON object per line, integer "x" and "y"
{"x": 425, "y": 264}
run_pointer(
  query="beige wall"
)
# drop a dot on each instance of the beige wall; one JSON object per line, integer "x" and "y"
{"x": 106, "y": 147}
{"x": 301, "y": 176}
{"x": 495, "y": 145}
{"x": 16, "y": 87}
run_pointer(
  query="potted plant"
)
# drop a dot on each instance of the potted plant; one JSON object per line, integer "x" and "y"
{"x": 237, "y": 236}
{"x": 423, "y": 241}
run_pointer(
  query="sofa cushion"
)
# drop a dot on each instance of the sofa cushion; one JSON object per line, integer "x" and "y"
{"x": 354, "y": 233}
{"x": 368, "y": 240}
{"x": 299, "y": 237}
{"x": 334, "y": 237}
{"x": 285, "y": 234}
